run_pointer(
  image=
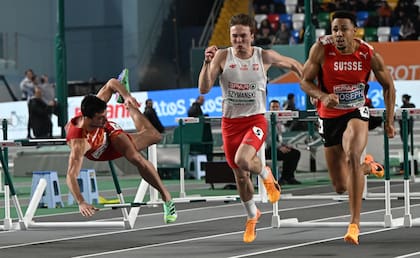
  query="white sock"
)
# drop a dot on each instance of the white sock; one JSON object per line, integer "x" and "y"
{"x": 250, "y": 208}
{"x": 264, "y": 173}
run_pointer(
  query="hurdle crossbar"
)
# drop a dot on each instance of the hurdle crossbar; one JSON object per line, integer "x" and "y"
{"x": 277, "y": 222}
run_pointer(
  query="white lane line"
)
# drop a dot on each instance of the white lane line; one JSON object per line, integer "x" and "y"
{"x": 408, "y": 255}
{"x": 231, "y": 233}
{"x": 151, "y": 227}
{"x": 169, "y": 225}
{"x": 225, "y": 234}
{"x": 163, "y": 244}
{"x": 304, "y": 244}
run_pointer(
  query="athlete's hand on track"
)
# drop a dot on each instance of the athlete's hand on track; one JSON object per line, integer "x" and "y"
{"x": 86, "y": 209}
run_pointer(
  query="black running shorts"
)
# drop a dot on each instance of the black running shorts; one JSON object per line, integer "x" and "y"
{"x": 332, "y": 129}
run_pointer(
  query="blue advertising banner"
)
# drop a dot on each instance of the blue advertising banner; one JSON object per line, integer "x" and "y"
{"x": 172, "y": 104}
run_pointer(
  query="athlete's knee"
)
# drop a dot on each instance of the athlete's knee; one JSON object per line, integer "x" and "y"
{"x": 156, "y": 137}
{"x": 153, "y": 136}
{"x": 242, "y": 163}
{"x": 340, "y": 189}
{"x": 112, "y": 81}
{"x": 242, "y": 179}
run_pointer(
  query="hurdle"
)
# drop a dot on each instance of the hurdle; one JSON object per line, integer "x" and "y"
{"x": 288, "y": 115}
{"x": 408, "y": 162}
{"x": 183, "y": 198}
{"x": 293, "y": 222}
{"x": 128, "y": 221}
{"x": 311, "y": 115}
{"x": 405, "y": 113}
{"x": 9, "y": 189}
{"x": 27, "y": 221}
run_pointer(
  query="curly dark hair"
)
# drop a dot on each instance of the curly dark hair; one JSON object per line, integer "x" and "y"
{"x": 92, "y": 105}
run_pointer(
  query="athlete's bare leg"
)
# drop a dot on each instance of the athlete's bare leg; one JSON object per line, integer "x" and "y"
{"x": 146, "y": 134}
{"x": 146, "y": 169}
{"x": 354, "y": 142}
{"x": 344, "y": 166}
{"x": 337, "y": 167}
{"x": 248, "y": 162}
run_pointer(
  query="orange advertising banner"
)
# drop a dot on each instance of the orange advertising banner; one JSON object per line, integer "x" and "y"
{"x": 402, "y": 58}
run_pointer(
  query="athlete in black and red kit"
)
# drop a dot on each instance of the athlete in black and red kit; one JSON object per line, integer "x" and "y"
{"x": 342, "y": 64}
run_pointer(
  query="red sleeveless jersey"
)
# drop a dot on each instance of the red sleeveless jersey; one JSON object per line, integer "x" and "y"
{"x": 99, "y": 139}
{"x": 346, "y": 75}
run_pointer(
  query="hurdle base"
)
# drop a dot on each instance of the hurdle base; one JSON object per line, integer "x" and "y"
{"x": 294, "y": 222}
{"x": 408, "y": 222}
{"x": 82, "y": 224}
{"x": 275, "y": 221}
{"x": 388, "y": 221}
{"x": 7, "y": 225}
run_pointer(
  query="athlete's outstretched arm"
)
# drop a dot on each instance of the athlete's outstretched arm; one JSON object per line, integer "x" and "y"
{"x": 78, "y": 147}
{"x": 385, "y": 79}
{"x": 271, "y": 57}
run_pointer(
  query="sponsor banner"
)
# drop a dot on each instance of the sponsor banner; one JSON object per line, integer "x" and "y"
{"x": 172, "y": 104}
{"x": 402, "y": 58}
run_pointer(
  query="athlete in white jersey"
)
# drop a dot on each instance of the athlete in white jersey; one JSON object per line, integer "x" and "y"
{"x": 243, "y": 83}
{"x": 242, "y": 69}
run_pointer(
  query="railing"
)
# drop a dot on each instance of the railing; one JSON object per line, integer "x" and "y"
{"x": 208, "y": 28}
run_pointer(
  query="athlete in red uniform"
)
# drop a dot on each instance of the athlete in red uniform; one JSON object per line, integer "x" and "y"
{"x": 342, "y": 65}
{"x": 90, "y": 134}
{"x": 242, "y": 69}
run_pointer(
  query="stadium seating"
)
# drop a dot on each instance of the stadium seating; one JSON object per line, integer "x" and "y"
{"x": 395, "y": 33}
{"x": 323, "y": 20}
{"x": 360, "y": 33}
{"x": 259, "y": 18}
{"x": 371, "y": 34}
{"x": 298, "y": 20}
{"x": 366, "y": 21}
{"x": 319, "y": 33}
{"x": 384, "y": 33}
{"x": 286, "y": 18}
{"x": 296, "y": 36}
{"x": 361, "y": 18}
{"x": 274, "y": 19}
{"x": 290, "y": 6}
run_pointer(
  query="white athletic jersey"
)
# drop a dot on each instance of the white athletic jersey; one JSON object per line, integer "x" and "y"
{"x": 243, "y": 83}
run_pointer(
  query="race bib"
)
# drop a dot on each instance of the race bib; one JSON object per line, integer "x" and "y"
{"x": 364, "y": 112}
{"x": 350, "y": 95}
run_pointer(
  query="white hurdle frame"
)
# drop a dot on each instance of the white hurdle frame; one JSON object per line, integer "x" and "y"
{"x": 260, "y": 196}
{"x": 405, "y": 113}
{"x": 414, "y": 113}
{"x": 26, "y": 222}
{"x": 293, "y": 222}
{"x": 7, "y": 222}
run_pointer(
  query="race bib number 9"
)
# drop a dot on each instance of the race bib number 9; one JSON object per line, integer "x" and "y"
{"x": 350, "y": 95}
